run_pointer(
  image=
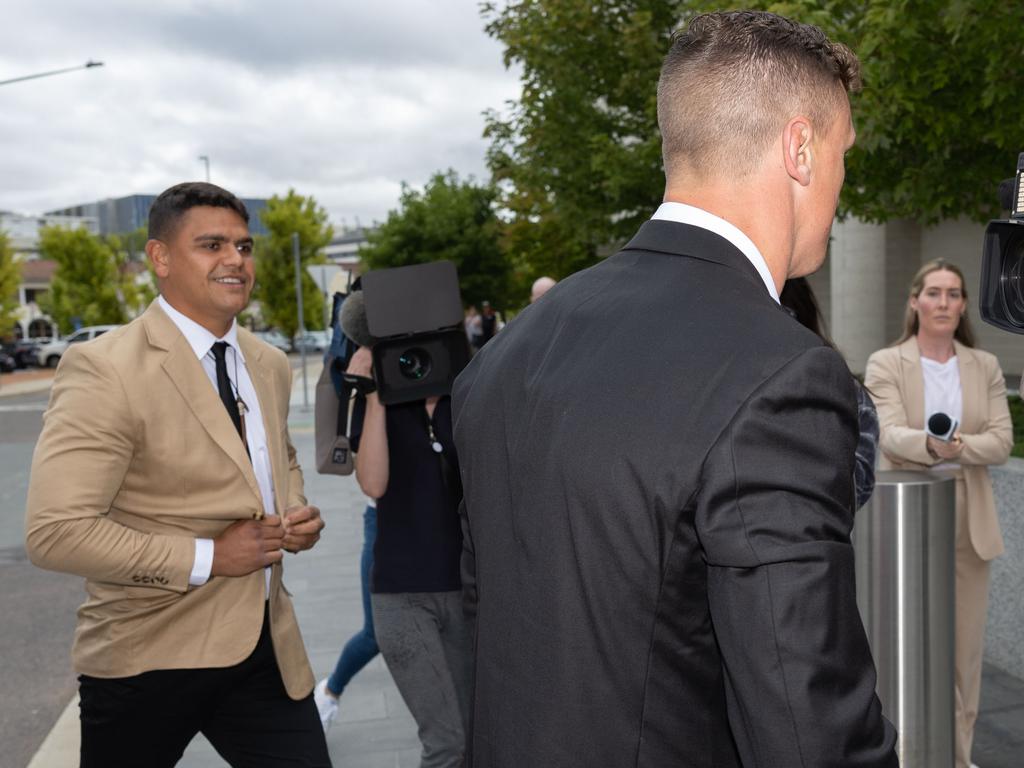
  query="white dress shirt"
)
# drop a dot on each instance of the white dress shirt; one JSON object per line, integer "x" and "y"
{"x": 202, "y": 341}
{"x": 943, "y": 394}
{"x": 682, "y": 213}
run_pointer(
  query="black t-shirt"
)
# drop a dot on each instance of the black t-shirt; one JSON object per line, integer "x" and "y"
{"x": 419, "y": 535}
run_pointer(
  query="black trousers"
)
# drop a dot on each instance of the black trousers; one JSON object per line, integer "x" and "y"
{"x": 149, "y": 719}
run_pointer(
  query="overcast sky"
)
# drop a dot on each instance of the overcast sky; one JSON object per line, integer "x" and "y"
{"x": 341, "y": 100}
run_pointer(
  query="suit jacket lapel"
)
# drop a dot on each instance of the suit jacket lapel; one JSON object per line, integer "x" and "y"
{"x": 913, "y": 380}
{"x": 266, "y": 393}
{"x": 970, "y": 388}
{"x": 187, "y": 374}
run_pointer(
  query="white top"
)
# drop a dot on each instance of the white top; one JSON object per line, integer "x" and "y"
{"x": 202, "y": 341}
{"x": 682, "y": 213}
{"x": 942, "y": 392}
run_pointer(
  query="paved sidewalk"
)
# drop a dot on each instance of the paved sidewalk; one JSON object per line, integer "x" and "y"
{"x": 23, "y": 382}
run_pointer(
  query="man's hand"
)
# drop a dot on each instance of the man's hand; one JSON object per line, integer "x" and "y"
{"x": 302, "y": 526}
{"x": 948, "y": 451}
{"x": 248, "y": 546}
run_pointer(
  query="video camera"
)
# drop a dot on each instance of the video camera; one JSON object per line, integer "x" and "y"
{"x": 414, "y": 315}
{"x": 1002, "y": 265}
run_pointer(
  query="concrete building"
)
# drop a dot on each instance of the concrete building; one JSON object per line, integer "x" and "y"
{"x": 864, "y": 285}
{"x": 126, "y": 214}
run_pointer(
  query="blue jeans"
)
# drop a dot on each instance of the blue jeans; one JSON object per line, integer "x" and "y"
{"x": 362, "y": 646}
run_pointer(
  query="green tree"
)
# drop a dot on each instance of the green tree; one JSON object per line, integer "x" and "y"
{"x": 275, "y": 264}
{"x": 577, "y": 155}
{"x": 10, "y": 279}
{"x": 86, "y": 286}
{"x": 137, "y": 283}
{"x": 453, "y": 220}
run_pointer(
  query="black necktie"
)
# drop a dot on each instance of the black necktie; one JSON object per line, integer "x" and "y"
{"x": 224, "y": 387}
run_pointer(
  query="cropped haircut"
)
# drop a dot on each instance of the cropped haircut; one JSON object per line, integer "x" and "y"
{"x": 173, "y": 203}
{"x": 731, "y": 80}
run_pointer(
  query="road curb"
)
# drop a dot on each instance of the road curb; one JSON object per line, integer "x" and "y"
{"x": 62, "y": 744}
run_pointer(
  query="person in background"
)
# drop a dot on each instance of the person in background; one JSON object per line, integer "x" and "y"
{"x": 799, "y": 299}
{"x": 541, "y": 286}
{"x": 473, "y": 325}
{"x": 490, "y": 323}
{"x": 405, "y": 459}
{"x": 934, "y": 368}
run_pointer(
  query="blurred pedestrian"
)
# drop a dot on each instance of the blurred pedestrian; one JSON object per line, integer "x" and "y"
{"x": 935, "y": 368}
{"x": 541, "y": 286}
{"x": 490, "y": 323}
{"x": 799, "y": 299}
{"x": 474, "y": 327}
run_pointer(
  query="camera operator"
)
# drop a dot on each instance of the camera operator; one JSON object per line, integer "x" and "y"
{"x": 934, "y": 369}
{"x": 406, "y": 460}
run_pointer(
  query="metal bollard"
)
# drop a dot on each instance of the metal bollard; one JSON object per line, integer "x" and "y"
{"x": 904, "y": 541}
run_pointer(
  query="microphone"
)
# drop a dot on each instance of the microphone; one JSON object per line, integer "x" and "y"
{"x": 942, "y": 427}
{"x": 353, "y": 320}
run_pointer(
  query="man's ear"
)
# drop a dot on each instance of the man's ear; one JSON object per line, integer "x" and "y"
{"x": 159, "y": 257}
{"x": 796, "y": 144}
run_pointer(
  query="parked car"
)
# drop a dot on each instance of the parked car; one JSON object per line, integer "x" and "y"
{"x": 313, "y": 341}
{"x": 26, "y": 351}
{"x": 275, "y": 339}
{"x": 7, "y": 363}
{"x": 49, "y": 354}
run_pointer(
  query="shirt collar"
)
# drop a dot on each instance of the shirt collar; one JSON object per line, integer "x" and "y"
{"x": 698, "y": 217}
{"x": 198, "y": 337}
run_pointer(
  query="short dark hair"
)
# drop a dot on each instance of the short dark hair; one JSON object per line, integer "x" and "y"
{"x": 731, "y": 79}
{"x": 172, "y": 204}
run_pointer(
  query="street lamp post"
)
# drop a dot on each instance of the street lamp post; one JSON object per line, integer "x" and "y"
{"x": 88, "y": 65}
{"x": 206, "y": 161}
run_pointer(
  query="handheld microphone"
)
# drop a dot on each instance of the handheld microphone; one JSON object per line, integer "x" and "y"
{"x": 942, "y": 427}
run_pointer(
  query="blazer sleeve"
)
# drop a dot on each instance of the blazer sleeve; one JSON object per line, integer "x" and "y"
{"x": 898, "y": 441}
{"x": 991, "y": 446}
{"x": 774, "y": 515}
{"x": 80, "y": 461}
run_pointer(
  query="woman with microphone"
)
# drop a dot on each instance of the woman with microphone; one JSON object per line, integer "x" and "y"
{"x": 934, "y": 375}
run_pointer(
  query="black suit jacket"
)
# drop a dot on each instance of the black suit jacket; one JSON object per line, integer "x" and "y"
{"x": 658, "y": 472}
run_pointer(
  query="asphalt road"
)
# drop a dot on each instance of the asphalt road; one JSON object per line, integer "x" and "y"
{"x": 37, "y": 607}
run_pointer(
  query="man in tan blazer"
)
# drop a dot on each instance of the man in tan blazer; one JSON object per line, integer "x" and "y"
{"x": 165, "y": 476}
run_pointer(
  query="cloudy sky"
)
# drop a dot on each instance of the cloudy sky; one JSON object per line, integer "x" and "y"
{"x": 342, "y": 100}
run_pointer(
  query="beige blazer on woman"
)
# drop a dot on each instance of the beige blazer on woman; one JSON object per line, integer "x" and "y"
{"x": 138, "y": 457}
{"x": 896, "y": 383}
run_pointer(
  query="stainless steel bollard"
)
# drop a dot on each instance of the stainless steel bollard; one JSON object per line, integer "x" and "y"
{"x": 904, "y": 541}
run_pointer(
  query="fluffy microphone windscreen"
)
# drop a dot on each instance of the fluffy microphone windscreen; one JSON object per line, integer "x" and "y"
{"x": 353, "y": 320}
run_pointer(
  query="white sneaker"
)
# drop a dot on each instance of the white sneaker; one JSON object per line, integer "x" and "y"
{"x": 326, "y": 704}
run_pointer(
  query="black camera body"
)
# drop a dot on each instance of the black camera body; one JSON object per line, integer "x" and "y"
{"x": 415, "y": 313}
{"x": 1002, "y": 265}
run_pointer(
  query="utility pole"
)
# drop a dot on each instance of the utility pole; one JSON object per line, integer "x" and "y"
{"x": 206, "y": 161}
{"x": 302, "y": 321}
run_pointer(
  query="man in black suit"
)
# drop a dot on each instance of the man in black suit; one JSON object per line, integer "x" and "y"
{"x": 658, "y": 460}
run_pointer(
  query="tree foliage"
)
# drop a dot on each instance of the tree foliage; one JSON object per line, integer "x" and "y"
{"x": 577, "y": 156}
{"x": 87, "y": 287}
{"x": 275, "y": 263}
{"x": 453, "y": 220}
{"x": 10, "y": 279}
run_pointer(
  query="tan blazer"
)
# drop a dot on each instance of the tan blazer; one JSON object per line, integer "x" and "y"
{"x": 896, "y": 383}
{"x": 137, "y": 458}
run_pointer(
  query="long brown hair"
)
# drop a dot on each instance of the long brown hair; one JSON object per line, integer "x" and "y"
{"x": 963, "y": 333}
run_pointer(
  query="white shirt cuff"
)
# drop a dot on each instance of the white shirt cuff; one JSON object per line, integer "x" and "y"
{"x": 203, "y": 563}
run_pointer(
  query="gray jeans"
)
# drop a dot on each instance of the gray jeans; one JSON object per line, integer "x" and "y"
{"x": 424, "y": 638}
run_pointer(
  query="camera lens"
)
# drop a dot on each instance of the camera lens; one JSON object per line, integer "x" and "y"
{"x": 414, "y": 363}
{"x": 1011, "y": 281}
